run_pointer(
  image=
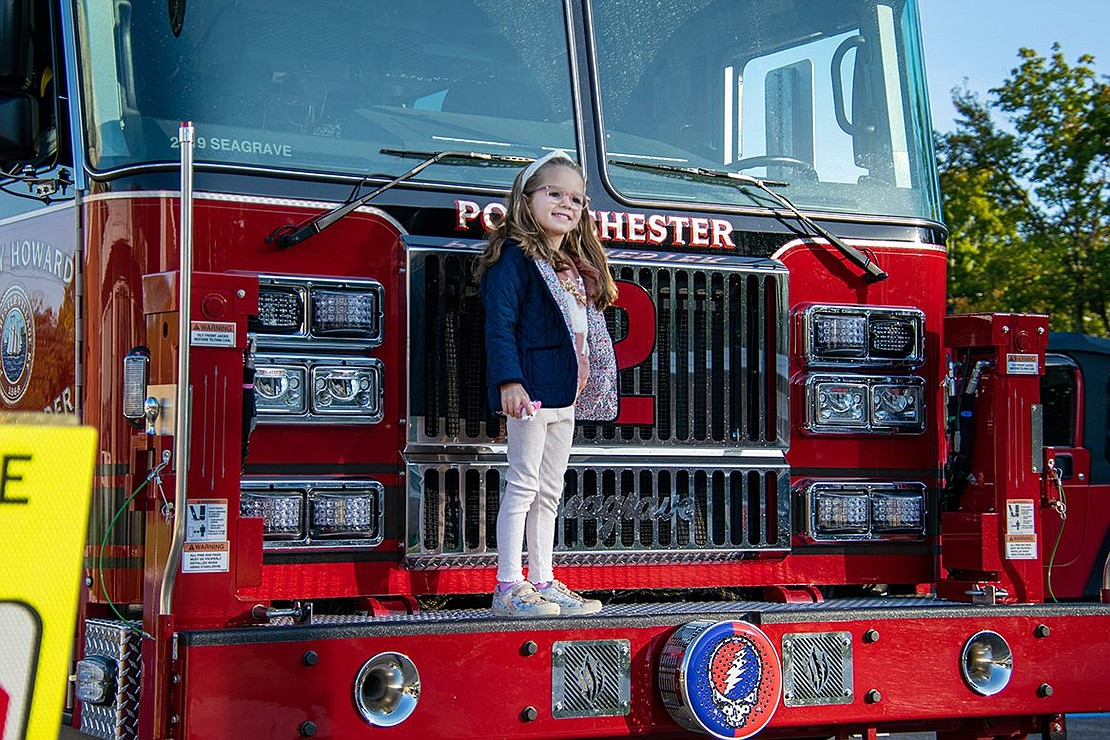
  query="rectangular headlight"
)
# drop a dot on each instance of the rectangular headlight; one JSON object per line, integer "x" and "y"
{"x": 898, "y": 512}
{"x": 865, "y": 336}
{"x": 864, "y": 404}
{"x": 345, "y": 313}
{"x": 295, "y": 389}
{"x": 282, "y": 512}
{"x": 897, "y": 405}
{"x": 315, "y": 514}
{"x": 866, "y": 511}
{"x": 300, "y": 313}
{"x": 349, "y": 389}
{"x": 281, "y": 310}
{"x": 840, "y": 512}
{"x": 280, "y": 389}
{"x": 348, "y": 514}
{"x": 838, "y": 403}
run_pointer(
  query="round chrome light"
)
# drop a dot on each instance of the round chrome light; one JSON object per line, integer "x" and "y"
{"x": 986, "y": 663}
{"x": 387, "y": 689}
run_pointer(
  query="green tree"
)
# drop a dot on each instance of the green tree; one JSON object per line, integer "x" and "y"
{"x": 1029, "y": 211}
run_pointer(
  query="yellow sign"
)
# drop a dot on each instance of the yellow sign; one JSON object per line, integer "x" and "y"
{"x": 45, "y": 486}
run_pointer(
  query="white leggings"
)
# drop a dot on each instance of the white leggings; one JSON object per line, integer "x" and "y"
{"x": 538, "y": 452}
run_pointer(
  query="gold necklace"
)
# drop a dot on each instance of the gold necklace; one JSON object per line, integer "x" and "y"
{"x": 571, "y": 286}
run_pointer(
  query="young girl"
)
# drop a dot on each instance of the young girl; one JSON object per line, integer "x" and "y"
{"x": 545, "y": 281}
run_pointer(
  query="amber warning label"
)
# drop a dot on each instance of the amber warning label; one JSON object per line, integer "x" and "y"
{"x": 1021, "y": 530}
{"x": 212, "y": 334}
{"x": 205, "y": 557}
{"x": 1019, "y": 364}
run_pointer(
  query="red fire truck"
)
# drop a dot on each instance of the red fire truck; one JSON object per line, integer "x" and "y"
{"x": 825, "y": 507}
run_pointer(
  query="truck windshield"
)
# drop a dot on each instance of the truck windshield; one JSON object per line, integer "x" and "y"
{"x": 826, "y": 95}
{"x": 325, "y": 86}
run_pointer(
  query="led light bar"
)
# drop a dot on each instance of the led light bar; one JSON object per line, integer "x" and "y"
{"x": 864, "y": 404}
{"x": 861, "y": 511}
{"x": 344, "y": 514}
{"x": 282, "y": 512}
{"x": 302, "y": 313}
{"x": 344, "y": 313}
{"x": 315, "y": 515}
{"x": 863, "y": 336}
{"x": 297, "y": 389}
{"x": 280, "y": 311}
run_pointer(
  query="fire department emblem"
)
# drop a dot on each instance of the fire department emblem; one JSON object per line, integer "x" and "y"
{"x": 17, "y": 343}
{"x": 734, "y": 680}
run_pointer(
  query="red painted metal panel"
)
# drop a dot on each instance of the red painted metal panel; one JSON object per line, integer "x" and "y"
{"x": 477, "y": 684}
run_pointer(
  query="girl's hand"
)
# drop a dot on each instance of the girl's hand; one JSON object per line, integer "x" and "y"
{"x": 513, "y": 399}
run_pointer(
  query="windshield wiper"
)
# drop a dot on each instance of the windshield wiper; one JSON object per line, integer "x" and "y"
{"x": 701, "y": 174}
{"x": 290, "y": 235}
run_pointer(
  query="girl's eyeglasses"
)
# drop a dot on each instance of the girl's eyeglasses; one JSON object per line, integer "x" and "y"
{"x": 577, "y": 200}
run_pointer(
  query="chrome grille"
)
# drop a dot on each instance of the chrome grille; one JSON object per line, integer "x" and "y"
{"x": 715, "y": 375}
{"x": 672, "y": 510}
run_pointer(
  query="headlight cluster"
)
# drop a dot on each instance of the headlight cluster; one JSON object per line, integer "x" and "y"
{"x": 297, "y": 313}
{"x": 328, "y": 514}
{"x": 846, "y": 511}
{"x": 875, "y": 336}
{"x": 871, "y": 349}
{"x": 299, "y": 389}
{"x": 860, "y": 403}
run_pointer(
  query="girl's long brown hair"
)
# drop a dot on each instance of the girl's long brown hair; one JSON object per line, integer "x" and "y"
{"x": 581, "y": 243}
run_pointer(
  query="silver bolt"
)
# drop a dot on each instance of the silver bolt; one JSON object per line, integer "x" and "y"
{"x": 559, "y": 705}
{"x": 241, "y": 293}
{"x": 1005, "y": 330}
{"x": 1040, "y": 330}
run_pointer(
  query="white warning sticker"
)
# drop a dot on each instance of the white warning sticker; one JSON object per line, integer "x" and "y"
{"x": 206, "y": 520}
{"x": 1022, "y": 364}
{"x": 1020, "y": 516}
{"x": 212, "y": 334}
{"x": 1021, "y": 529}
{"x": 205, "y": 557}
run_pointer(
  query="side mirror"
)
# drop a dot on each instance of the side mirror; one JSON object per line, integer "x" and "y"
{"x": 18, "y": 128}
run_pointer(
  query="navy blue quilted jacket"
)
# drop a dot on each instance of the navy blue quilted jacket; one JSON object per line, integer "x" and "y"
{"x": 527, "y": 341}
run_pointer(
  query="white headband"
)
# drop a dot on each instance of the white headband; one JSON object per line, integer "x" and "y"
{"x": 536, "y": 164}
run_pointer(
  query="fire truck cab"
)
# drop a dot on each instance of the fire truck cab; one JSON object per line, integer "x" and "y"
{"x": 236, "y": 237}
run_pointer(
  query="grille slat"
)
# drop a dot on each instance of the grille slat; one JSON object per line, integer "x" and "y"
{"x": 663, "y": 513}
{"x": 713, "y": 375}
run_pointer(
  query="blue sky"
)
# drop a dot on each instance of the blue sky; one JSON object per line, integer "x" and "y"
{"x": 979, "y": 39}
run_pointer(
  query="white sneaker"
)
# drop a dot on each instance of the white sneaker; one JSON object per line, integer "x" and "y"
{"x": 570, "y": 603}
{"x": 522, "y": 600}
